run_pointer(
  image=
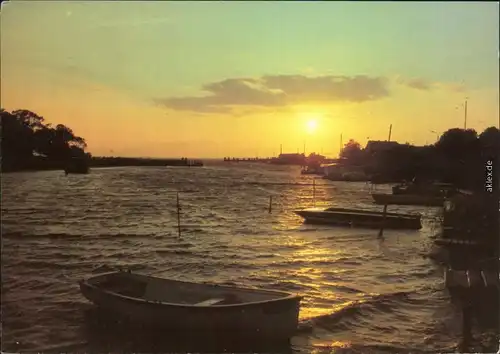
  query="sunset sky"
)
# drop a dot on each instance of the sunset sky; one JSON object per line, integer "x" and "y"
{"x": 213, "y": 79}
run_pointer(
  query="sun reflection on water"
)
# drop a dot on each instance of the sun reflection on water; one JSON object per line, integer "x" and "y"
{"x": 330, "y": 347}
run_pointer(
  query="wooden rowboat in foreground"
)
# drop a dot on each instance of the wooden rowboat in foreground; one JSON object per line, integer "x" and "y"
{"x": 179, "y": 305}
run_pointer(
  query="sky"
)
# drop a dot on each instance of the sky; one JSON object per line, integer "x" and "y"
{"x": 215, "y": 79}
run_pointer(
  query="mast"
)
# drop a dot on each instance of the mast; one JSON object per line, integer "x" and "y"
{"x": 340, "y": 150}
{"x": 390, "y": 132}
{"x": 465, "y": 115}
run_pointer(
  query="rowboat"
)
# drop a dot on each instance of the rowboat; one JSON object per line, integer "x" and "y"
{"x": 178, "y": 305}
{"x": 408, "y": 199}
{"x": 360, "y": 218}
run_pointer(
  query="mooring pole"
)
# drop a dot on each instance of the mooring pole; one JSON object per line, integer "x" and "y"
{"x": 381, "y": 231}
{"x": 314, "y": 192}
{"x": 178, "y": 215}
{"x": 466, "y": 325}
{"x": 270, "y": 204}
{"x": 465, "y": 115}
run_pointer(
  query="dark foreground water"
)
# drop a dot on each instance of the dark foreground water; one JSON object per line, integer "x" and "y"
{"x": 361, "y": 293}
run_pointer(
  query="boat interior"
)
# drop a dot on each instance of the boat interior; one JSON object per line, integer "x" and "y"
{"x": 178, "y": 292}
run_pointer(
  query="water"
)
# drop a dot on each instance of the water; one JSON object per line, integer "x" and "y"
{"x": 360, "y": 293}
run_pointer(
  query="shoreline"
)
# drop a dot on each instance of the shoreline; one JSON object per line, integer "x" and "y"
{"x": 103, "y": 162}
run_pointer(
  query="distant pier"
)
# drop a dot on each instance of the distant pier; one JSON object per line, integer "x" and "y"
{"x": 282, "y": 159}
{"x": 248, "y": 159}
{"x": 129, "y": 161}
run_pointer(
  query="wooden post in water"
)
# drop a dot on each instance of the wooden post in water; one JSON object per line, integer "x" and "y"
{"x": 465, "y": 115}
{"x": 466, "y": 324}
{"x": 314, "y": 192}
{"x": 270, "y": 204}
{"x": 381, "y": 231}
{"x": 178, "y": 215}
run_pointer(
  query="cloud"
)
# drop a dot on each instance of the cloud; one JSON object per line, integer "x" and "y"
{"x": 420, "y": 84}
{"x": 426, "y": 85}
{"x": 455, "y": 87}
{"x": 280, "y": 91}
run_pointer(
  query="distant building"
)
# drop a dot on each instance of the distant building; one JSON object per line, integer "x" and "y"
{"x": 340, "y": 172}
{"x": 376, "y": 146}
{"x": 290, "y": 159}
{"x": 315, "y": 159}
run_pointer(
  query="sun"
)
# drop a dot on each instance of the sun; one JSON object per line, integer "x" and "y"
{"x": 311, "y": 125}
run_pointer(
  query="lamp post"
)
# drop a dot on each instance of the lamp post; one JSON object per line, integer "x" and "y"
{"x": 465, "y": 111}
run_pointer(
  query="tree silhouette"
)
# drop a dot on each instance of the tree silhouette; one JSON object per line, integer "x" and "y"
{"x": 26, "y": 135}
{"x": 489, "y": 141}
{"x": 457, "y": 157}
{"x": 458, "y": 144}
{"x": 353, "y": 152}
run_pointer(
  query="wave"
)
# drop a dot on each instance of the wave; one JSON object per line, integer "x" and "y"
{"x": 127, "y": 218}
{"x": 352, "y": 311}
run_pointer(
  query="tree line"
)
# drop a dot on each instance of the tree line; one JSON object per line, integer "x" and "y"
{"x": 28, "y": 142}
{"x": 459, "y": 157}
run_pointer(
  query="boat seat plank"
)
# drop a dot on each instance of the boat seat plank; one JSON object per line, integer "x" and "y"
{"x": 474, "y": 278}
{"x": 454, "y": 278}
{"x": 210, "y": 302}
{"x": 489, "y": 278}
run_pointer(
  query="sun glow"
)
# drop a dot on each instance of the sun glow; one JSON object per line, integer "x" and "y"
{"x": 312, "y": 125}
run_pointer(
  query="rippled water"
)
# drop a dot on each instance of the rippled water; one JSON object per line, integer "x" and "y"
{"x": 360, "y": 293}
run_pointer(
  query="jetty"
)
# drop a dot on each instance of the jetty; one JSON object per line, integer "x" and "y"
{"x": 151, "y": 162}
{"x": 248, "y": 159}
{"x": 292, "y": 159}
{"x": 468, "y": 244}
{"x": 470, "y": 279}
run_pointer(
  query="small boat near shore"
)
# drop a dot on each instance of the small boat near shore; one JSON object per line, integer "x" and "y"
{"x": 360, "y": 218}
{"x": 429, "y": 189}
{"x": 76, "y": 166}
{"x": 417, "y": 193}
{"x": 312, "y": 170}
{"x": 408, "y": 199}
{"x": 178, "y": 305}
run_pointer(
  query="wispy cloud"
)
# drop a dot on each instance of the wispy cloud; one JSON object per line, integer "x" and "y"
{"x": 426, "y": 85}
{"x": 420, "y": 84}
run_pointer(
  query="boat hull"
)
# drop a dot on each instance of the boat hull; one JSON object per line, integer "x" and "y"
{"x": 362, "y": 219}
{"x": 271, "y": 319}
{"x": 407, "y": 199}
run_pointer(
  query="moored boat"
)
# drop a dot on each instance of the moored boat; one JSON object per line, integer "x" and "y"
{"x": 428, "y": 189}
{"x": 178, "y": 305}
{"x": 360, "y": 218}
{"x": 312, "y": 170}
{"x": 77, "y": 166}
{"x": 408, "y": 199}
